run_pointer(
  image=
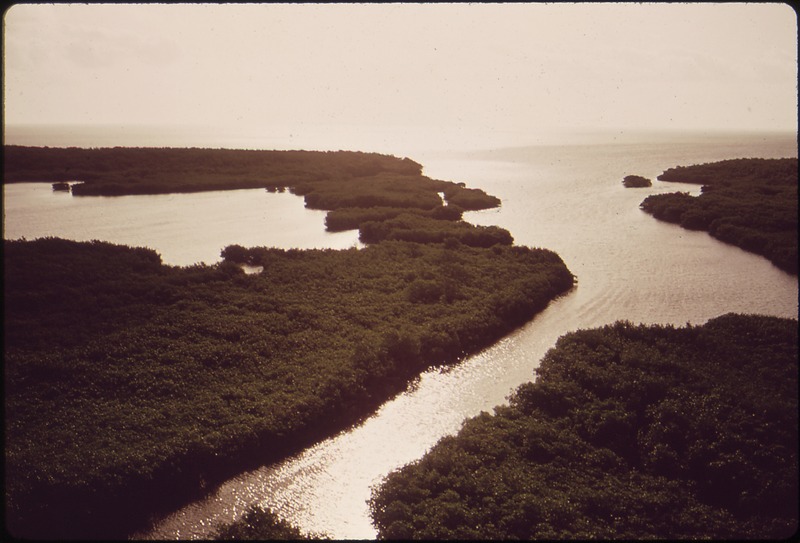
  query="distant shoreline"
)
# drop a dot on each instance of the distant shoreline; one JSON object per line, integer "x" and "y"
{"x": 321, "y": 138}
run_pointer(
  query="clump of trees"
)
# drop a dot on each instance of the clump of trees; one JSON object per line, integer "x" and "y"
{"x": 636, "y": 181}
{"x": 469, "y": 199}
{"x": 750, "y": 203}
{"x": 629, "y": 432}
{"x": 351, "y": 218}
{"x": 259, "y": 524}
{"x": 408, "y": 227}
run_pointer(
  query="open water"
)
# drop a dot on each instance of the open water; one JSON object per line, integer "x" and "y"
{"x": 568, "y": 198}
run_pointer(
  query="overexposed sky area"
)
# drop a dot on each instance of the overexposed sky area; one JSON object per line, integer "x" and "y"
{"x": 517, "y": 67}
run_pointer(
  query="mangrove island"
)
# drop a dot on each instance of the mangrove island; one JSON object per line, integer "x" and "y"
{"x": 132, "y": 387}
{"x": 747, "y": 202}
{"x": 636, "y": 181}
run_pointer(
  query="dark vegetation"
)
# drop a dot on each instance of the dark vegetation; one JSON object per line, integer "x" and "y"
{"x": 130, "y": 385}
{"x": 750, "y": 203}
{"x": 351, "y": 218}
{"x": 126, "y": 380}
{"x": 409, "y": 227}
{"x": 146, "y": 170}
{"x": 327, "y": 180}
{"x": 629, "y": 432}
{"x": 385, "y": 197}
{"x": 258, "y": 524}
{"x": 636, "y": 181}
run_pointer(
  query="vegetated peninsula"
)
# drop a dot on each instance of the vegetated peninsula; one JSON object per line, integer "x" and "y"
{"x": 131, "y": 386}
{"x": 636, "y": 181}
{"x": 383, "y": 196}
{"x": 629, "y": 432}
{"x": 748, "y": 202}
{"x": 327, "y": 179}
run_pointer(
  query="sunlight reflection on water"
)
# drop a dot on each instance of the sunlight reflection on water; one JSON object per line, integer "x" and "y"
{"x": 629, "y": 266}
{"x": 568, "y": 199}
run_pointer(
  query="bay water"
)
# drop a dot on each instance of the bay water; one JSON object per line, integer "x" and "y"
{"x": 568, "y": 198}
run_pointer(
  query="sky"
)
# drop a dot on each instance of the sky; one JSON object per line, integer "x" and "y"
{"x": 487, "y": 69}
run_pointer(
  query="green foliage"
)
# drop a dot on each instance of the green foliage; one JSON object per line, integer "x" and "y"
{"x": 125, "y": 170}
{"x": 409, "y": 227}
{"x": 357, "y": 188}
{"x": 629, "y": 432}
{"x": 259, "y": 524}
{"x": 750, "y": 203}
{"x": 380, "y": 190}
{"x": 470, "y": 199}
{"x": 130, "y": 384}
{"x": 125, "y": 377}
{"x": 351, "y": 218}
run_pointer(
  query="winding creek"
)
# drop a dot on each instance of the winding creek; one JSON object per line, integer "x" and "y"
{"x": 566, "y": 198}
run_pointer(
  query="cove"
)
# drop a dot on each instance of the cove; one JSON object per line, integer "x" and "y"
{"x": 185, "y": 229}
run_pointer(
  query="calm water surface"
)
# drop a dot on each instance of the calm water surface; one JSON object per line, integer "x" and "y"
{"x": 569, "y": 199}
{"x": 629, "y": 266}
{"x": 184, "y": 229}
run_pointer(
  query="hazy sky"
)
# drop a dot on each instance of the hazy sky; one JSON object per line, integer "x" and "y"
{"x": 493, "y": 67}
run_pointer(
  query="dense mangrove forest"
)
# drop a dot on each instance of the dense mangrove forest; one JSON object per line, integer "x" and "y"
{"x": 748, "y": 202}
{"x": 629, "y": 432}
{"x": 327, "y": 179}
{"x": 132, "y": 386}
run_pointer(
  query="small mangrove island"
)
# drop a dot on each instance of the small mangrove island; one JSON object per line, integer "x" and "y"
{"x": 132, "y": 387}
{"x": 747, "y": 202}
{"x": 636, "y": 181}
{"x": 629, "y": 432}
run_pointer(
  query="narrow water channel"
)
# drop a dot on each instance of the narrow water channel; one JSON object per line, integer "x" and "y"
{"x": 629, "y": 266}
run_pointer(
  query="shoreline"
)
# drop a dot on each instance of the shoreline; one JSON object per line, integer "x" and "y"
{"x": 449, "y": 285}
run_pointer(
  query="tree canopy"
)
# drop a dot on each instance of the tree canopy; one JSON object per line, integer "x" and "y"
{"x": 131, "y": 386}
{"x": 628, "y": 432}
{"x": 259, "y": 524}
{"x": 636, "y": 181}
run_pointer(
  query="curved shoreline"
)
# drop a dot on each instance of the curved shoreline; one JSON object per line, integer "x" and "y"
{"x": 750, "y": 203}
{"x": 476, "y": 295}
{"x": 623, "y": 424}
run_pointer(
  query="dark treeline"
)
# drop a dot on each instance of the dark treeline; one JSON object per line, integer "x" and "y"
{"x": 351, "y": 218}
{"x": 409, "y": 227}
{"x": 750, "y": 203}
{"x": 356, "y": 188}
{"x": 636, "y": 181}
{"x": 629, "y": 432}
{"x": 390, "y": 190}
{"x": 147, "y": 170}
{"x": 327, "y": 180}
{"x": 130, "y": 385}
{"x": 259, "y": 524}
